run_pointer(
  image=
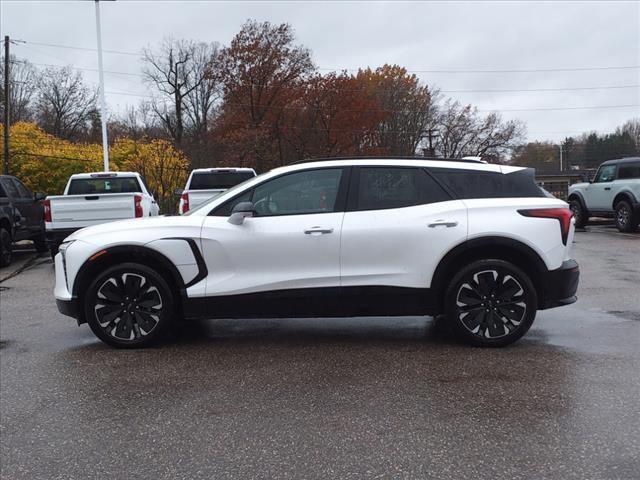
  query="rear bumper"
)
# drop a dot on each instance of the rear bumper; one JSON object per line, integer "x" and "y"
{"x": 55, "y": 237}
{"x": 560, "y": 285}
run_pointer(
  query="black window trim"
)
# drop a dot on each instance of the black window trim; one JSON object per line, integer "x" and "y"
{"x": 339, "y": 205}
{"x": 354, "y": 188}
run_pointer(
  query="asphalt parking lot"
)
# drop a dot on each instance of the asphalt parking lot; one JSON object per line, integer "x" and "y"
{"x": 338, "y": 398}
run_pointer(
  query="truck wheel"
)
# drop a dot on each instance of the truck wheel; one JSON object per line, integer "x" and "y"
{"x": 5, "y": 247}
{"x": 491, "y": 303}
{"x": 129, "y": 306}
{"x": 40, "y": 244}
{"x": 579, "y": 214}
{"x": 625, "y": 219}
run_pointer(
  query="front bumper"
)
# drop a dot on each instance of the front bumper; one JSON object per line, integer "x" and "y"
{"x": 560, "y": 285}
{"x": 68, "y": 307}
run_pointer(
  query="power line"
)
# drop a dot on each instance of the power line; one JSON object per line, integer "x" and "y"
{"x": 70, "y": 47}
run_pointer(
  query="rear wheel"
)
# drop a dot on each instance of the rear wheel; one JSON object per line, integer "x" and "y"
{"x": 5, "y": 247}
{"x": 579, "y": 213}
{"x": 129, "y": 306}
{"x": 625, "y": 219}
{"x": 491, "y": 303}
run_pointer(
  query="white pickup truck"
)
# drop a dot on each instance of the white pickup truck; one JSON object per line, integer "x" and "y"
{"x": 93, "y": 198}
{"x": 206, "y": 183}
{"x": 614, "y": 192}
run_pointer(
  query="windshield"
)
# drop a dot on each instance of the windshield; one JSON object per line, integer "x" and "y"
{"x": 218, "y": 180}
{"x": 90, "y": 186}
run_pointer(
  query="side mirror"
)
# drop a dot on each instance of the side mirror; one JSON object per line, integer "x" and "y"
{"x": 240, "y": 212}
{"x": 178, "y": 191}
{"x": 39, "y": 196}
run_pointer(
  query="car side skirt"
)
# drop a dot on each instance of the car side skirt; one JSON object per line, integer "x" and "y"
{"x": 315, "y": 302}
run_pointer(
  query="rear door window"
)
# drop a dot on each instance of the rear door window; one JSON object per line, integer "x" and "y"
{"x": 9, "y": 186}
{"x": 96, "y": 186}
{"x": 380, "y": 188}
{"x": 22, "y": 190}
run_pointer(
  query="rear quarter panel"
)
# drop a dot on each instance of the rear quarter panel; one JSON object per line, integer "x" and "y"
{"x": 500, "y": 217}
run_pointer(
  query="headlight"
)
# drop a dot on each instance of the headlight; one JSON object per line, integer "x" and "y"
{"x": 63, "y": 253}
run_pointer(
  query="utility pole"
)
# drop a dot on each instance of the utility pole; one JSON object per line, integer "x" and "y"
{"x": 6, "y": 105}
{"x": 560, "y": 157}
{"x": 432, "y": 153}
{"x": 103, "y": 103}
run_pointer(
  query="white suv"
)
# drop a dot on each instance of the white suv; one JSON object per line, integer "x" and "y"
{"x": 615, "y": 191}
{"x": 480, "y": 243}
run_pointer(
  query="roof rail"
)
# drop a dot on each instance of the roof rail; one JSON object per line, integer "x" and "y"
{"x": 389, "y": 157}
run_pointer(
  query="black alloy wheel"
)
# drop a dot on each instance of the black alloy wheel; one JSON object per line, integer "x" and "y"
{"x": 491, "y": 303}
{"x": 129, "y": 305}
{"x": 625, "y": 221}
{"x": 579, "y": 213}
{"x": 5, "y": 248}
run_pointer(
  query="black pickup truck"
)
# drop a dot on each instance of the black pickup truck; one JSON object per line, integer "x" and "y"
{"x": 21, "y": 217}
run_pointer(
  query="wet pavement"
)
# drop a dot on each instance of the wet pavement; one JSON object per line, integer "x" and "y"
{"x": 337, "y": 398}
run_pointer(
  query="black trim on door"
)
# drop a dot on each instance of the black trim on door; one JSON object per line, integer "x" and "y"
{"x": 202, "y": 266}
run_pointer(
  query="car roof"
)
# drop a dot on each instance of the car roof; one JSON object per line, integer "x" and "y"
{"x": 622, "y": 160}
{"x": 98, "y": 174}
{"x": 402, "y": 162}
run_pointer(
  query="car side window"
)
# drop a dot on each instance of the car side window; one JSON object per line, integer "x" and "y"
{"x": 2, "y": 194}
{"x": 305, "y": 192}
{"x": 606, "y": 174}
{"x": 22, "y": 190}
{"x": 225, "y": 209}
{"x": 629, "y": 170}
{"x": 10, "y": 187}
{"x": 396, "y": 187}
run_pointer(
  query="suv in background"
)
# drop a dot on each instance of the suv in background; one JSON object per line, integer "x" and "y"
{"x": 479, "y": 243}
{"x": 206, "y": 183}
{"x": 21, "y": 217}
{"x": 614, "y": 192}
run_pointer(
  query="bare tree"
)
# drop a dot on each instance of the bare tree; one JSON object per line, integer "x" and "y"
{"x": 65, "y": 106}
{"x": 462, "y": 131}
{"x": 22, "y": 77}
{"x": 177, "y": 68}
{"x": 201, "y": 101}
{"x": 632, "y": 127}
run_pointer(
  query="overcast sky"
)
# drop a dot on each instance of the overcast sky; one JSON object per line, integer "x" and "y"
{"x": 422, "y": 36}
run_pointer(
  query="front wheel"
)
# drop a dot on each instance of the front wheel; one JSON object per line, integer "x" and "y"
{"x": 5, "y": 247}
{"x": 579, "y": 214}
{"x": 491, "y": 303}
{"x": 625, "y": 219}
{"x": 129, "y": 306}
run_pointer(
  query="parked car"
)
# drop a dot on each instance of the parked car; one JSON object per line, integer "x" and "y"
{"x": 480, "y": 243}
{"x": 94, "y": 198}
{"x": 614, "y": 192}
{"x": 206, "y": 183}
{"x": 21, "y": 217}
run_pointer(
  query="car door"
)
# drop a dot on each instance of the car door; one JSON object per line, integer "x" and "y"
{"x": 30, "y": 209}
{"x": 599, "y": 194}
{"x": 290, "y": 246}
{"x": 399, "y": 224}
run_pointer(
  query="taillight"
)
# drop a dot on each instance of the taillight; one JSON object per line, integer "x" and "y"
{"x": 185, "y": 202}
{"x": 563, "y": 215}
{"x": 137, "y": 205}
{"x": 47, "y": 210}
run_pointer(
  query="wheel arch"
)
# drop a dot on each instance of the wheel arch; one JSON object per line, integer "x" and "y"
{"x": 129, "y": 253}
{"x": 6, "y": 224}
{"x": 578, "y": 196}
{"x": 502, "y": 248}
{"x": 624, "y": 195}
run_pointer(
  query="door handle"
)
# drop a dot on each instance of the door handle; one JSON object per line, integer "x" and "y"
{"x": 442, "y": 223}
{"x": 607, "y": 188}
{"x": 320, "y": 230}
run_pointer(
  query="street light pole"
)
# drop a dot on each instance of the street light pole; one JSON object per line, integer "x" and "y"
{"x": 103, "y": 103}
{"x": 560, "y": 157}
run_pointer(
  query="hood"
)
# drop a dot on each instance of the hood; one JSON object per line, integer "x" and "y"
{"x": 578, "y": 186}
{"x": 129, "y": 226}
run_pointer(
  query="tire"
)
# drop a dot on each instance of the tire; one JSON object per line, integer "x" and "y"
{"x": 491, "y": 303}
{"x": 151, "y": 303}
{"x": 6, "y": 248}
{"x": 626, "y": 221}
{"x": 40, "y": 244}
{"x": 579, "y": 213}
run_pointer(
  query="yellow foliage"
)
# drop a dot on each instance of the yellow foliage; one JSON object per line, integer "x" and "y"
{"x": 44, "y": 162}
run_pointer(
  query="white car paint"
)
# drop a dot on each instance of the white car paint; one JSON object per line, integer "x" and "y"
{"x": 394, "y": 247}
